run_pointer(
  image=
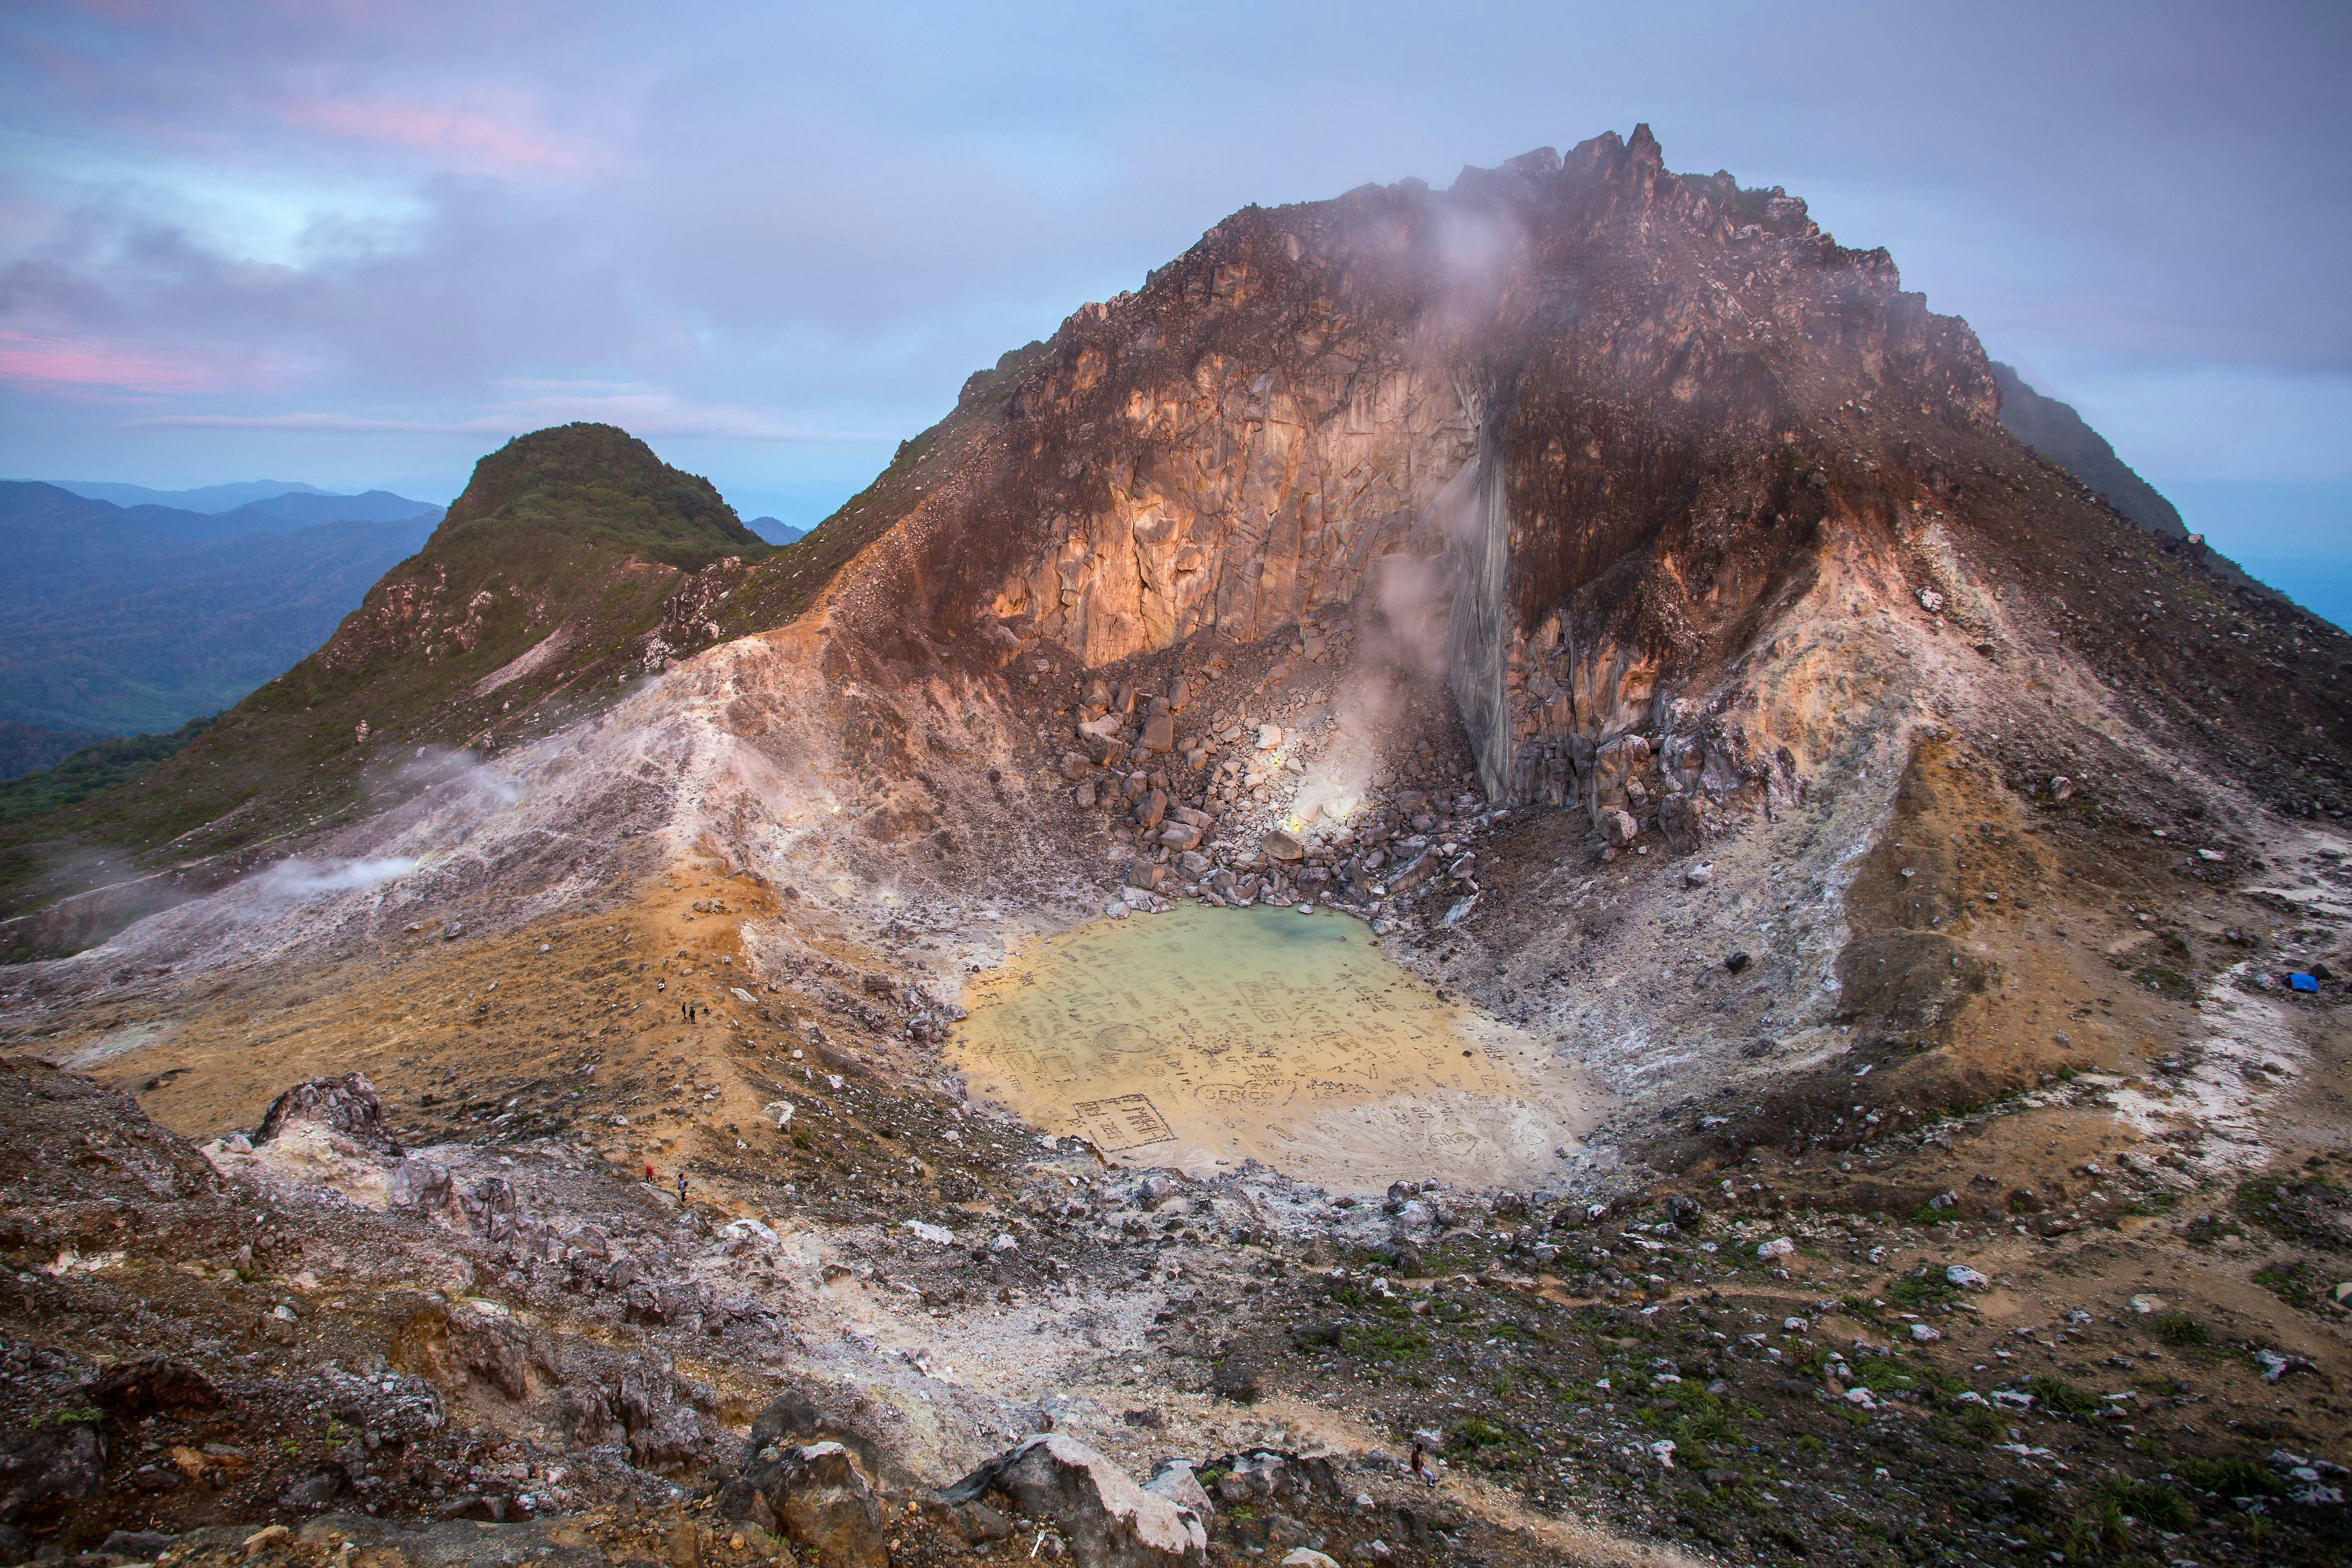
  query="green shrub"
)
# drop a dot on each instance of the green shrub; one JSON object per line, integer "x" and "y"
{"x": 2178, "y": 1328}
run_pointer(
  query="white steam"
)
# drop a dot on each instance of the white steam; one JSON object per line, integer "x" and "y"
{"x": 299, "y": 878}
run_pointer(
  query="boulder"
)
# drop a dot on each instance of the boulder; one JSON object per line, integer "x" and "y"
{"x": 346, "y": 1109}
{"x": 1176, "y": 1480}
{"x": 1159, "y": 734}
{"x": 1150, "y": 809}
{"x": 1615, "y": 767}
{"x": 1281, "y": 846}
{"x": 129, "y": 1391}
{"x": 1181, "y": 837}
{"x": 1619, "y": 827}
{"x": 1109, "y": 1521}
{"x": 1145, "y": 875}
{"x": 44, "y": 1469}
{"x": 820, "y": 1497}
{"x": 420, "y": 1184}
{"x": 1681, "y": 822}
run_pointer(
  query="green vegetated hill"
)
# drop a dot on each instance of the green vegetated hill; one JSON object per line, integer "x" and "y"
{"x": 106, "y": 761}
{"x": 599, "y": 484}
{"x": 32, "y": 748}
{"x": 575, "y": 545}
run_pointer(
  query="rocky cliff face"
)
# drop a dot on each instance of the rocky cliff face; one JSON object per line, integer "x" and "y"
{"x": 1594, "y": 411}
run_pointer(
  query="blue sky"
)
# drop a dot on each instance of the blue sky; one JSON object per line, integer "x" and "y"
{"x": 360, "y": 244}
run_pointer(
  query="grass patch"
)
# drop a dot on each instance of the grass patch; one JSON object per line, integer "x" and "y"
{"x": 2158, "y": 1503}
{"x": 2058, "y": 1395}
{"x": 2313, "y": 1213}
{"x": 1923, "y": 1287}
{"x": 2234, "y": 1478}
{"x": 2177, "y": 1328}
{"x": 2295, "y": 1282}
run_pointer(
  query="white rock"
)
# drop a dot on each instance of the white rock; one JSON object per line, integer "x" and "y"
{"x": 937, "y": 1234}
{"x": 1966, "y": 1278}
{"x": 1005, "y": 1243}
{"x": 1779, "y": 1247}
{"x": 1922, "y": 1334}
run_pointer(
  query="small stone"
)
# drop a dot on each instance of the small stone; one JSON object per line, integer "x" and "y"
{"x": 1966, "y": 1278}
{"x": 1922, "y": 1334}
{"x": 1779, "y": 1247}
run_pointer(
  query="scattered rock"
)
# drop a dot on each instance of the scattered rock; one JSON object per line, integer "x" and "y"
{"x": 824, "y": 1502}
{"x": 347, "y": 1108}
{"x": 1109, "y": 1521}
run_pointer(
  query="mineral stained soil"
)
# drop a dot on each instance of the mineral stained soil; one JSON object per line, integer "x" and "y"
{"x": 1204, "y": 1037}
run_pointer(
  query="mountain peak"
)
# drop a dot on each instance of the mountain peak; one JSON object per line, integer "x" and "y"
{"x": 598, "y": 483}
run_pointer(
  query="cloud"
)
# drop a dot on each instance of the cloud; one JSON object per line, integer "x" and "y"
{"x": 463, "y": 138}
{"x": 776, "y": 227}
{"x": 645, "y": 414}
{"x": 84, "y": 365}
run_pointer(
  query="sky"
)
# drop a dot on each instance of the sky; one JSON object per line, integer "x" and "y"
{"x": 359, "y": 243}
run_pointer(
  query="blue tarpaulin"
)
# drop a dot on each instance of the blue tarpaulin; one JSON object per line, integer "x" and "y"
{"x": 2303, "y": 982}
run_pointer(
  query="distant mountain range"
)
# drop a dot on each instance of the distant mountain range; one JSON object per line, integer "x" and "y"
{"x": 776, "y": 531}
{"x": 207, "y": 498}
{"x": 135, "y": 619}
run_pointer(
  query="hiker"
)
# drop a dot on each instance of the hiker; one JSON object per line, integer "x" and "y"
{"x": 683, "y": 1015}
{"x": 649, "y": 1172}
{"x": 681, "y": 1189}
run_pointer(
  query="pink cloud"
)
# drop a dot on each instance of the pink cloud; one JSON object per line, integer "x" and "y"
{"x": 72, "y": 363}
{"x": 481, "y": 141}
